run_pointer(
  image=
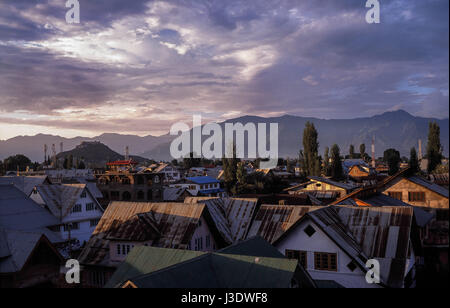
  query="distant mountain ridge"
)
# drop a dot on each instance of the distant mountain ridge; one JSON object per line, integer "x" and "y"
{"x": 96, "y": 154}
{"x": 397, "y": 129}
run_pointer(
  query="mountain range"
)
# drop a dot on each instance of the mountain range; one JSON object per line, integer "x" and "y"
{"x": 397, "y": 129}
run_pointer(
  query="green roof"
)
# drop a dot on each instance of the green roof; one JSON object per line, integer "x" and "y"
{"x": 215, "y": 270}
{"x": 143, "y": 260}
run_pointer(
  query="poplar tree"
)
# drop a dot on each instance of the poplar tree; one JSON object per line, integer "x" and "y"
{"x": 337, "y": 172}
{"x": 434, "y": 147}
{"x": 413, "y": 161}
{"x": 311, "y": 150}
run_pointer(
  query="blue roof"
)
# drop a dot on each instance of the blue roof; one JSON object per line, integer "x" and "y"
{"x": 211, "y": 191}
{"x": 203, "y": 180}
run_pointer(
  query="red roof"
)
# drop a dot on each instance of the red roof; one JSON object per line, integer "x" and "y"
{"x": 122, "y": 163}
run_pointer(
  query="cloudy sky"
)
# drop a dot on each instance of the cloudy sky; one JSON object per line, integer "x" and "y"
{"x": 139, "y": 66}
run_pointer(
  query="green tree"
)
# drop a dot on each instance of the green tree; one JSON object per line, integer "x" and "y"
{"x": 326, "y": 162}
{"x": 434, "y": 147}
{"x": 311, "y": 150}
{"x": 392, "y": 158}
{"x": 413, "y": 161}
{"x": 81, "y": 165}
{"x": 351, "y": 151}
{"x": 17, "y": 162}
{"x": 66, "y": 163}
{"x": 230, "y": 166}
{"x": 362, "y": 150}
{"x": 337, "y": 172}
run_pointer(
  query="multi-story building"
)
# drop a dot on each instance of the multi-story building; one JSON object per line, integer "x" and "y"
{"x": 129, "y": 185}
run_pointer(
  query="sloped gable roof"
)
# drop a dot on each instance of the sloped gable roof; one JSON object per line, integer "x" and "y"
{"x": 61, "y": 198}
{"x": 272, "y": 221}
{"x": 175, "y": 223}
{"x": 18, "y": 211}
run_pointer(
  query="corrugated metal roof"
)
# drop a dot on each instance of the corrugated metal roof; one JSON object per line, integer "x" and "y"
{"x": 60, "y": 198}
{"x": 272, "y": 221}
{"x": 175, "y": 222}
{"x": 383, "y": 233}
{"x": 173, "y": 193}
{"x": 232, "y": 216}
{"x": 25, "y": 183}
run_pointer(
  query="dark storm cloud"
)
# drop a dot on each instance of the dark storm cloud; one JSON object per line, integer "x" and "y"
{"x": 313, "y": 58}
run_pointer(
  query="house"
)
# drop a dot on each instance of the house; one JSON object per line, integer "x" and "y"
{"x": 28, "y": 259}
{"x": 77, "y": 210}
{"x": 131, "y": 186}
{"x": 334, "y": 244}
{"x": 431, "y": 197}
{"x": 125, "y": 225}
{"x": 250, "y": 264}
{"x": 19, "y": 212}
{"x": 201, "y": 186}
{"x": 28, "y": 254}
{"x": 25, "y": 183}
{"x": 170, "y": 173}
{"x": 362, "y": 174}
{"x": 322, "y": 188}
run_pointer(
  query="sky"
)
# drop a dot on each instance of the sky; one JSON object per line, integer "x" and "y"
{"x": 138, "y": 67}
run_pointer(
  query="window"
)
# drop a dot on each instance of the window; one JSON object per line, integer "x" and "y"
{"x": 76, "y": 208}
{"x": 90, "y": 207}
{"x": 301, "y": 256}
{"x": 199, "y": 222}
{"x": 325, "y": 261}
{"x": 118, "y": 249}
{"x": 352, "y": 266}
{"x": 83, "y": 194}
{"x": 396, "y": 195}
{"x": 74, "y": 226}
{"x": 416, "y": 196}
{"x": 156, "y": 179}
{"x": 208, "y": 241}
{"x": 309, "y": 230}
{"x": 94, "y": 222}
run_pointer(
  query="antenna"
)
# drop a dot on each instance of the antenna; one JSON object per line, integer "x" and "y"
{"x": 54, "y": 155}
{"x": 373, "y": 152}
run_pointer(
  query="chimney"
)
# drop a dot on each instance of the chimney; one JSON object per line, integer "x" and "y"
{"x": 373, "y": 153}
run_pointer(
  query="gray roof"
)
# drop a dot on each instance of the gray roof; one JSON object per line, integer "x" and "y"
{"x": 25, "y": 183}
{"x": 431, "y": 186}
{"x": 173, "y": 193}
{"x": 17, "y": 211}
{"x": 20, "y": 244}
{"x": 60, "y": 198}
{"x": 421, "y": 216}
{"x": 345, "y": 186}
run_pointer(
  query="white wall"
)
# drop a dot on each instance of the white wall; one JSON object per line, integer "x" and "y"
{"x": 298, "y": 240}
{"x": 202, "y": 232}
